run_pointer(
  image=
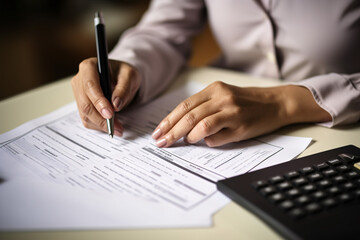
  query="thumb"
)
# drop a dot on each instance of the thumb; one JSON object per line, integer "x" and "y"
{"x": 127, "y": 84}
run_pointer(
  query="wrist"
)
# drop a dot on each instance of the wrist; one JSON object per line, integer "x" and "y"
{"x": 300, "y": 106}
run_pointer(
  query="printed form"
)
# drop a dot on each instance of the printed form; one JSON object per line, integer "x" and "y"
{"x": 57, "y": 148}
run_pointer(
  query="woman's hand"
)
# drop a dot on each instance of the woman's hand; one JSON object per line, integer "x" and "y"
{"x": 93, "y": 107}
{"x": 223, "y": 113}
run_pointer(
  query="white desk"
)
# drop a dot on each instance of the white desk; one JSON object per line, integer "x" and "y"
{"x": 231, "y": 222}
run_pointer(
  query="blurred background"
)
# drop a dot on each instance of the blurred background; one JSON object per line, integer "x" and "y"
{"x": 43, "y": 41}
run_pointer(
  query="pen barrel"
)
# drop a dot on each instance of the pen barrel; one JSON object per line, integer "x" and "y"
{"x": 103, "y": 64}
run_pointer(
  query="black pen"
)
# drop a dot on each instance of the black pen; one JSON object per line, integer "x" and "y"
{"x": 103, "y": 65}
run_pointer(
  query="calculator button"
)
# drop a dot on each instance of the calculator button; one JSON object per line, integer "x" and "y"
{"x": 259, "y": 184}
{"x": 329, "y": 172}
{"x": 309, "y": 188}
{"x": 353, "y": 175}
{"x": 297, "y": 213}
{"x": 277, "y": 179}
{"x": 338, "y": 179}
{"x": 349, "y": 186}
{"x": 302, "y": 200}
{"x": 315, "y": 177}
{"x": 329, "y": 203}
{"x": 349, "y": 158}
{"x": 268, "y": 190}
{"x": 343, "y": 168}
{"x": 319, "y": 195}
{"x": 286, "y": 205}
{"x": 334, "y": 190}
{"x": 300, "y": 181}
{"x": 307, "y": 170}
{"x": 345, "y": 197}
{"x": 324, "y": 183}
{"x": 284, "y": 186}
{"x": 277, "y": 197}
{"x": 293, "y": 193}
{"x": 322, "y": 166}
{"x": 334, "y": 162}
{"x": 313, "y": 208}
{"x": 292, "y": 174}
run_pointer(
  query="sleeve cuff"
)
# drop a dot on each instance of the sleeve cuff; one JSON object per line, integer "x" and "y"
{"x": 337, "y": 95}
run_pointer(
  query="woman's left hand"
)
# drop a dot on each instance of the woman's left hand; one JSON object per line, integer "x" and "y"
{"x": 222, "y": 113}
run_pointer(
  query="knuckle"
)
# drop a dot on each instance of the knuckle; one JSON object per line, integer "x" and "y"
{"x": 205, "y": 126}
{"x": 86, "y": 119}
{"x": 186, "y": 105}
{"x": 86, "y": 122}
{"x": 83, "y": 64}
{"x": 217, "y": 85}
{"x": 171, "y": 137}
{"x": 190, "y": 119}
{"x": 165, "y": 124}
{"x": 241, "y": 134}
{"x": 238, "y": 111}
{"x": 98, "y": 103}
{"x": 102, "y": 125}
{"x": 90, "y": 85}
{"x": 87, "y": 63}
{"x": 229, "y": 99}
{"x": 86, "y": 109}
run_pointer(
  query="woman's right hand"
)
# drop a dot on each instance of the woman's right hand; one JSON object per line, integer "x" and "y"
{"x": 93, "y": 107}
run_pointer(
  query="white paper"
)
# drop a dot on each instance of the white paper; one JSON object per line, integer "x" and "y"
{"x": 57, "y": 151}
{"x": 39, "y": 205}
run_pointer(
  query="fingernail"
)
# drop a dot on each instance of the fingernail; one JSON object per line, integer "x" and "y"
{"x": 156, "y": 134}
{"x": 161, "y": 143}
{"x": 106, "y": 113}
{"x": 117, "y": 103}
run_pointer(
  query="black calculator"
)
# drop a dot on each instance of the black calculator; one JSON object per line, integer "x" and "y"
{"x": 314, "y": 197}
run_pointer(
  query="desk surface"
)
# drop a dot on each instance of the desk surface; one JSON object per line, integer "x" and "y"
{"x": 231, "y": 222}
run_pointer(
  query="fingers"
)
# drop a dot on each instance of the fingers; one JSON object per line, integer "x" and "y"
{"x": 127, "y": 85}
{"x": 88, "y": 113}
{"x": 181, "y": 111}
{"x": 92, "y": 89}
{"x": 207, "y": 127}
{"x": 220, "y": 138}
{"x": 92, "y": 105}
{"x": 184, "y": 119}
{"x": 209, "y": 115}
{"x": 91, "y": 118}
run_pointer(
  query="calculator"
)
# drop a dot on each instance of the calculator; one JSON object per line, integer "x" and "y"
{"x": 314, "y": 197}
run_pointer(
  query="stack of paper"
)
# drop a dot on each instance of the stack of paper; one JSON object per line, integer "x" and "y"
{"x": 58, "y": 175}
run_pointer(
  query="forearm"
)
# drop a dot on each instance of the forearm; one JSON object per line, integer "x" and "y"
{"x": 159, "y": 46}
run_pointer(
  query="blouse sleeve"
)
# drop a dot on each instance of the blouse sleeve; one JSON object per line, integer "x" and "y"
{"x": 159, "y": 45}
{"x": 338, "y": 94}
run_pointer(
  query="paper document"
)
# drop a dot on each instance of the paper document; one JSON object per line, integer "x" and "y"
{"x": 56, "y": 149}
